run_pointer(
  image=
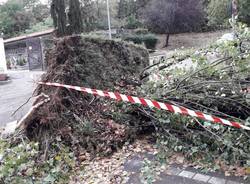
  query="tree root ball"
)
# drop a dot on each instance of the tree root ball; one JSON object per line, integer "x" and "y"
{"x": 84, "y": 122}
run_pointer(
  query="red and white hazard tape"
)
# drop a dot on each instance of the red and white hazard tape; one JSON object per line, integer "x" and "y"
{"x": 150, "y": 103}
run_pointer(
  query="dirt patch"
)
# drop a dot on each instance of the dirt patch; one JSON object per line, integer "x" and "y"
{"x": 190, "y": 40}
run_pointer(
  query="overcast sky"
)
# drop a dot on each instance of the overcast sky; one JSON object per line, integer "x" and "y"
{"x": 43, "y": 1}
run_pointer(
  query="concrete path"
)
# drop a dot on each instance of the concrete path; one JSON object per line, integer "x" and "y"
{"x": 16, "y": 93}
{"x": 176, "y": 174}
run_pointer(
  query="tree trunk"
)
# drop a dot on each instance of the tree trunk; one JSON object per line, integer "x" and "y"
{"x": 59, "y": 16}
{"x": 167, "y": 40}
{"x": 75, "y": 18}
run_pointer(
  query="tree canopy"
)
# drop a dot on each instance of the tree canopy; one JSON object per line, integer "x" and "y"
{"x": 160, "y": 16}
{"x": 172, "y": 16}
{"x": 17, "y": 16}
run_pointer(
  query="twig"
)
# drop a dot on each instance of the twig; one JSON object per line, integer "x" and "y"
{"x": 21, "y": 123}
{"x": 92, "y": 100}
{"x": 213, "y": 64}
{"x": 161, "y": 67}
{"x": 218, "y": 137}
{"x": 46, "y": 148}
{"x": 21, "y": 106}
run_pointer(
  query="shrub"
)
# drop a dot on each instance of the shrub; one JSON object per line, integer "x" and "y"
{"x": 23, "y": 163}
{"x": 150, "y": 41}
{"x": 141, "y": 31}
{"x": 136, "y": 39}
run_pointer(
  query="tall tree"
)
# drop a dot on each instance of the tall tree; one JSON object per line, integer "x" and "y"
{"x": 172, "y": 16}
{"x": 59, "y": 17}
{"x": 122, "y": 9}
{"x": 75, "y": 19}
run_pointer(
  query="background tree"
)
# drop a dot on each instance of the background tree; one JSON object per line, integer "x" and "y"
{"x": 90, "y": 14}
{"x": 219, "y": 12}
{"x": 174, "y": 16}
{"x": 13, "y": 18}
{"x": 140, "y": 6}
{"x": 74, "y": 15}
{"x": 244, "y": 11}
{"x": 128, "y": 8}
{"x": 40, "y": 12}
{"x": 100, "y": 14}
{"x": 122, "y": 9}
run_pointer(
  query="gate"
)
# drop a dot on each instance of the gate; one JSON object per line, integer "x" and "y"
{"x": 34, "y": 54}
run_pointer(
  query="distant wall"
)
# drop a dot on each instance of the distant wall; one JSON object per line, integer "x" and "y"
{"x": 3, "y": 65}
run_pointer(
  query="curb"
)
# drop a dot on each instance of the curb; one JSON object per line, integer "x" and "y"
{"x": 5, "y": 82}
{"x": 200, "y": 177}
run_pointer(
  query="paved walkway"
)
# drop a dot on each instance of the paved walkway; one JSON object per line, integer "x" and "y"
{"x": 176, "y": 174}
{"x": 15, "y": 93}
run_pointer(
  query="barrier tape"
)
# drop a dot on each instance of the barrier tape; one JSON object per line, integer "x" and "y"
{"x": 150, "y": 103}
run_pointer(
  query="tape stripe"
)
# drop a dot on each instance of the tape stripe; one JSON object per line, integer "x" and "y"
{"x": 151, "y": 103}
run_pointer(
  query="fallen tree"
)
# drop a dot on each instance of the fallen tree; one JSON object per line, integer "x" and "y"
{"x": 85, "y": 122}
{"x": 213, "y": 80}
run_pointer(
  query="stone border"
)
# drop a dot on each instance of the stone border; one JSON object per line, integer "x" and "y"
{"x": 201, "y": 177}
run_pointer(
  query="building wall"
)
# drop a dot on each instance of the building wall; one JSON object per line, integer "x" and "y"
{"x": 3, "y": 65}
{"x": 16, "y": 57}
{"x": 28, "y": 53}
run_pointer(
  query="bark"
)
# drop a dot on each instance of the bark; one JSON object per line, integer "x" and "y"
{"x": 59, "y": 16}
{"x": 75, "y": 19}
{"x": 167, "y": 40}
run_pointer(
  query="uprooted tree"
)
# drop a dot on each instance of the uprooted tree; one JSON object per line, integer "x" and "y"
{"x": 215, "y": 80}
{"x": 84, "y": 122}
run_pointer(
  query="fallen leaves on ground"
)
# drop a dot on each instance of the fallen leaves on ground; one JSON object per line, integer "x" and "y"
{"x": 110, "y": 170}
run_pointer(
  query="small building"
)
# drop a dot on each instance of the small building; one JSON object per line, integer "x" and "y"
{"x": 27, "y": 52}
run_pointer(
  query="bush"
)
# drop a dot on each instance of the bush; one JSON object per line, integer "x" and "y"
{"x": 136, "y": 39}
{"x": 141, "y": 31}
{"x": 150, "y": 41}
{"x": 24, "y": 163}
